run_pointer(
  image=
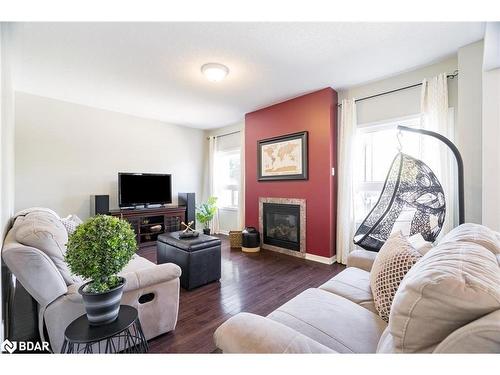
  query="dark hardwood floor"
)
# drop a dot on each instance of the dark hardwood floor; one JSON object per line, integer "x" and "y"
{"x": 256, "y": 283}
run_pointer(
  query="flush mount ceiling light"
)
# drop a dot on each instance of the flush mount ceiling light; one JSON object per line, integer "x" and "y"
{"x": 214, "y": 72}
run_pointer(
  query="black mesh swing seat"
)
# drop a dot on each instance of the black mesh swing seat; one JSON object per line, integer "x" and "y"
{"x": 412, "y": 200}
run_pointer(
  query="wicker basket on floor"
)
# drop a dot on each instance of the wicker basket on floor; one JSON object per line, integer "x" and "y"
{"x": 235, "y": 239}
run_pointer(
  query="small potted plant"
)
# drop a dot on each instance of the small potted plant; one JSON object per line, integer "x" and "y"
{"x": 206, "y": 212}
{"x": 97, "y": 250}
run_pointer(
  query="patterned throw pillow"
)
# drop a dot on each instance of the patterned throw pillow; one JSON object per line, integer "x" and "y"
{"x": 70, "y": 222}
{"x": 392, "y": 263}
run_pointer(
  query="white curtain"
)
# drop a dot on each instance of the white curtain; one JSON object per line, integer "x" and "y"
{"x": 346, "y": 224}
{"x": 212, "y": 149}
{"x": 435, "y": 117}
{"x": 241, "y": 193}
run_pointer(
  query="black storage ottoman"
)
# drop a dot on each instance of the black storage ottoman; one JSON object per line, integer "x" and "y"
{"x": 199, "y": 258}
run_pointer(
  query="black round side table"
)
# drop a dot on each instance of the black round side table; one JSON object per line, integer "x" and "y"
{"x": 124, "y": 335}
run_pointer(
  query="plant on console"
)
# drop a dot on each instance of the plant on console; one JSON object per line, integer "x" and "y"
{"x": 206, "y": 212}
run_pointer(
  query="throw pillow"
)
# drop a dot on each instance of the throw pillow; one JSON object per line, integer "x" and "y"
{"x": 70, "y": 222}
{"x": 443, "y": 295}
{"x": 393, "y": 261}
{"x": 420, "y": 244}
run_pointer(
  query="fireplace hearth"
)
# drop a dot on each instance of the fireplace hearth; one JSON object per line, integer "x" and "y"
{"x": 282, "y": 224}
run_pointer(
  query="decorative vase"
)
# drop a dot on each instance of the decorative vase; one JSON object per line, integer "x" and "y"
{"x": 206, "y": 231}
{"x": 102, "y": 308}
{"x": 250, "y": 241}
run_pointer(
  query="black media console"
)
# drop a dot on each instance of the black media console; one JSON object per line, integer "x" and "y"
{"x": 149, "y": 223}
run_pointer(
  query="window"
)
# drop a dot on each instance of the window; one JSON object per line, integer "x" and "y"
{"x": 226, "y": 181}
{"x": 377, "y": 145}
{"x": 227, "y": 178}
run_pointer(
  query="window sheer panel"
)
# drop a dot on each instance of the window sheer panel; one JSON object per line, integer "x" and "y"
{"x": 228, "y": 171}
{"x": 227, "y": 178}
{"x": 376, "y": 147}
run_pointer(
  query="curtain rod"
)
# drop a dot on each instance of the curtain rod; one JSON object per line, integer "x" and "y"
{"x": 450, "y": 76}
{"x": 225, "y": 135}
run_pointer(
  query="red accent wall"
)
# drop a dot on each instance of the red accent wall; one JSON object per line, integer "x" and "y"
{"x": 317, "y": 114}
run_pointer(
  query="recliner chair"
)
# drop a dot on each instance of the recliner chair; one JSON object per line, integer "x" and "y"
{"x": 152, "y": 289}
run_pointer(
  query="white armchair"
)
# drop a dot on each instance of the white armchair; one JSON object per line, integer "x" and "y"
{"x": 152, "y": 289}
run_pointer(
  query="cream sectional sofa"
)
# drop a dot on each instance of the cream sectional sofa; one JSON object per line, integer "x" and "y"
{"x": 34, "y": 252}
{"x": 449, "y": 302}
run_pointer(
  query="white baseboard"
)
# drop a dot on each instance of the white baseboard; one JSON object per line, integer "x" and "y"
{"x": 320, "y": 259}
{"x": 298, "y": 254}
{"x": 312, "y": 257}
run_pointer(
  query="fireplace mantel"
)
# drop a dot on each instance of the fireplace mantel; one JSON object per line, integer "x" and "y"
{"x": 300, "y": 202}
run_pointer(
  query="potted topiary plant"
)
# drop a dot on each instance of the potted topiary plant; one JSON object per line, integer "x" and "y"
{"x": 98, "y": 249}
{"x": 206, "y": 212}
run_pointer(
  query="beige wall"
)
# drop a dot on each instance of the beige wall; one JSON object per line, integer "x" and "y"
{"x": 491, "y": 127}
{"x": 6, "y": 133}
{"x": 6, "y": 146}
{"x": 468, "y": 133}
{"x": 464, "y": 95}
{"x": 66, "y": 152}
{"x": 491, "y": 152}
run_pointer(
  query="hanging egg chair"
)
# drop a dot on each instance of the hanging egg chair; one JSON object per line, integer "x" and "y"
{"x": 412, "y": 200}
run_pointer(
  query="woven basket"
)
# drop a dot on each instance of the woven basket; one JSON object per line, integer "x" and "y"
{"x": 235, "y": 239}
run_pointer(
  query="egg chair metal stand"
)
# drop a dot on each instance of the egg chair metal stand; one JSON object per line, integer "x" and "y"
{"x": 460, "y": 165}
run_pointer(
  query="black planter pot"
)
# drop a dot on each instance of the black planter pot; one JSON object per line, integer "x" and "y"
{"x": 206, "y": 231}
{"x": 102, "y": 308}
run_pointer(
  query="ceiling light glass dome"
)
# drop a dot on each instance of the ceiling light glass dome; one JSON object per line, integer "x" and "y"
{"x": 215, "y": 72}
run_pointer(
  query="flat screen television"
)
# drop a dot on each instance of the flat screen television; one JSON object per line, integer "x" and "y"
{"x": 142, "y": 189}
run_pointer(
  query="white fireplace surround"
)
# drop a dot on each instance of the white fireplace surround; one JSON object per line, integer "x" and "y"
{"x": 299, "y": 202}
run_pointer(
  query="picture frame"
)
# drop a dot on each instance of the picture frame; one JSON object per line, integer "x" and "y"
{"x": 283, "y": 158}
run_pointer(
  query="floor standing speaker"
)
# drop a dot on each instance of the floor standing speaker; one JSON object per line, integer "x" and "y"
{"x": 99, "y": 205}
{"x": 188, "y": 200}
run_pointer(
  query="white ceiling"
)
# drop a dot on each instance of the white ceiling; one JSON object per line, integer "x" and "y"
{"x": 152, "y": 70}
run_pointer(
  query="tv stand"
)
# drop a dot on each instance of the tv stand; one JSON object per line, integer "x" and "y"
{"x": 148, "y": 223}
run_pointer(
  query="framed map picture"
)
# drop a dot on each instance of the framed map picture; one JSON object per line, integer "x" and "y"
{"x": 282, "y": 158}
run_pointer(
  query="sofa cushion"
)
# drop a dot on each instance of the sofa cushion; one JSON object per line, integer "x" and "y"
{"x": 480, "y": 336}
{"x": 354, "y": 284}
{"x": 362, "y": 259}
{"x": 250, "y": 333}
{"x": 45, "y": 232}
{"x": 452, "y": 285}
{"x": 474, "y": 233}
{"x": 332, "y": 320}
{"x": 392, "y": 263}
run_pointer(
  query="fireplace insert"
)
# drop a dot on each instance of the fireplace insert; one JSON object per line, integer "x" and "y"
{"x": 281, "y": 225}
